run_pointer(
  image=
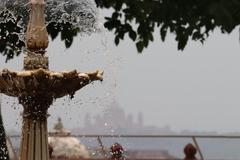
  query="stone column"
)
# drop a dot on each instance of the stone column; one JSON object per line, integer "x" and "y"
{"x": 34, "y": 140}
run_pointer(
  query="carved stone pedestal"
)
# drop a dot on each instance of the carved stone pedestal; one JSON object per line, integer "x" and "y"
{"x": 35, "y": 61}
{"x": 34, "y": 140}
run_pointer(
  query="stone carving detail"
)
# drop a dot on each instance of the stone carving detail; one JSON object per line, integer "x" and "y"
{"x": 35, "y": 61}
{"x": 37, "y": 36}
{"x": 40, "y": 84}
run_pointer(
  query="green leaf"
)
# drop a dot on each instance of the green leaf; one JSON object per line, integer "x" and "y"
{"x": 53, "y": 30}
{"x": 140, "y": 46}
{"x": 132, "y": 35}
{"x": 163, "y": 33}
{"x": 150, "y": 35}
{"x": 182, "y": 42}
{"x": 116, "y": 40}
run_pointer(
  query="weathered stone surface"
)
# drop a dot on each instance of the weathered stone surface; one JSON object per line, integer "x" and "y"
{"x": 37, "y": 36}
{"x": 35, "y": 61}
{"x": 34, "y": 139}
{"x": 45, "y": 83}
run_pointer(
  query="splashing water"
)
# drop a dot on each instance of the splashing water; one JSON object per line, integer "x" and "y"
{"x": 68, "y": 17}
{"x": 83, "y": 14}
{"x": 80, "y": 13}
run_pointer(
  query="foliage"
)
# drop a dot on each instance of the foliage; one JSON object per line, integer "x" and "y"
{"x": 70, "y": 17}
{"x": 187, "y": 19}
{"x": 67, "y": 30}
{"x": 64, "y": 17}
{"x": 10, "y": 42}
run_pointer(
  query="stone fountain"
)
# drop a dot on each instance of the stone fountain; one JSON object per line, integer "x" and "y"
{"x": 36, "y": 86}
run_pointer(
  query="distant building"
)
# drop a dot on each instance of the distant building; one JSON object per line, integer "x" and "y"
{"x": 115, "y": 120}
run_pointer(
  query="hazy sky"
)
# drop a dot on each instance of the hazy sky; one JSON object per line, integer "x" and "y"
{"x": 197, "y": 89}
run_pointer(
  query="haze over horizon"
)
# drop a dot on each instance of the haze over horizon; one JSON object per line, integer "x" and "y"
{"x": 197, "y": 89}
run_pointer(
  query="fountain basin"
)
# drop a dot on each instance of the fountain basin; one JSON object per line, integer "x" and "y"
{"x": 44, "y": 82}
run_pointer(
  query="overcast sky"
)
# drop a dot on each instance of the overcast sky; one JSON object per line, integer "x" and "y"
{"x": 197, "y": 89}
